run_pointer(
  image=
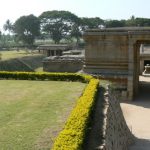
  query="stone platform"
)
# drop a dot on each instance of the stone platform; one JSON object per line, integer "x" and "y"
{"x": 63, "y": 64}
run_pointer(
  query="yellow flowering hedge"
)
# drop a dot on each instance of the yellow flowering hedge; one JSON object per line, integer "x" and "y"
{"x": 73, "y": 134}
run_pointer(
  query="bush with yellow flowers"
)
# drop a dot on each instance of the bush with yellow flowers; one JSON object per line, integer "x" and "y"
{"x": 73, "y": 135}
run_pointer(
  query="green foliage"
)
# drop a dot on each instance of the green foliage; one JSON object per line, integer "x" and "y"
{"x": 73, "y": 135}
{"x": 114, "y": 23}
{"x": 0, "y": 35}
{"x": 76, "y": 33}
{"x": 140, "y": 22}
{"x": 91, "y": 23}
{"x": 44, "y": 76}
{"x": 8, "y": 26}
{"x": 33, "y": 112}
{"x": 131, "y": 21}
{"x": 21, "y": 60}
{"x": 58, "y": 24}
{"x": 7, "y": 41}
{"x": 74, "y": 132}
{"x": 3, "y": 41}
{"x": 26, "y": 28}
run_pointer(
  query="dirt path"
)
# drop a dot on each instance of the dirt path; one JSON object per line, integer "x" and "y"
{"x": 137, "y": 115}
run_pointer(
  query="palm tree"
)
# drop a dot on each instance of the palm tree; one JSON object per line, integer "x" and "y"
{"x": 0, "y": 34}
{"x": 8, "y": 26}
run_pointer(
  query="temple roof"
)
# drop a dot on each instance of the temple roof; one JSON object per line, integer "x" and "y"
{"x": 54, "y": 47}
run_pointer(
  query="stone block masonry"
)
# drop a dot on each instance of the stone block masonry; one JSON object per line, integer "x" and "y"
{"x": 63, "y": 64}
{"x": 114, "y": 53}
{"x": 116, "y": 133}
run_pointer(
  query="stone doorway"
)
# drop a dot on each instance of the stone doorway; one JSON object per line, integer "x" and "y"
{"x": 146, "y": 62}
{"x": 113, "y": 53}
{"x": 137, "y": 64}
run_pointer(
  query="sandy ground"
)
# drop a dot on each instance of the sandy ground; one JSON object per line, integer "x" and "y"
{"x": 137, "y": 115}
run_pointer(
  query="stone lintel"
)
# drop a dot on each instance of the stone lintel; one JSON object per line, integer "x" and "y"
{"x": 53, "y": 47}
{"x": 119, "y": 31}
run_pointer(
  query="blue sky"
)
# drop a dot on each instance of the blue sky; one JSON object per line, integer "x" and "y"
{"x": 105, "y": 9}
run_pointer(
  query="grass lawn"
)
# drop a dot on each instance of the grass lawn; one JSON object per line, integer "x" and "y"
{"x": 22, "y": 60}
{"x": 6, "y": 55}
{"x": 33, "y": 112}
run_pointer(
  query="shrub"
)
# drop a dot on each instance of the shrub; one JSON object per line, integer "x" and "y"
{"x": 44, "y": 76}
{"x": 73, "y": 135}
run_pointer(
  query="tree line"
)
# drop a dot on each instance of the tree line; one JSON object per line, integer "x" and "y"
{"x": 59, "y": 25}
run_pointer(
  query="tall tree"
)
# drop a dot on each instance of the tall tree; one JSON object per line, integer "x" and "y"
{"x": 76, "y": 32}
{"x": 131, "y": 22}
{"x": 114, "y": 23}
{"x": 8, "y": 26}
{"x": 0, "y": 34}
{"x": 91, "y": 23}
{"x": 27, "y": 28}
{"x": 58, "y": 24}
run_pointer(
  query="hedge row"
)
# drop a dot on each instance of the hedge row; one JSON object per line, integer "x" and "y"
{"x": 73, "y": 135}
{"x": 44, "y": 76}
{"x": 75, "y": 129}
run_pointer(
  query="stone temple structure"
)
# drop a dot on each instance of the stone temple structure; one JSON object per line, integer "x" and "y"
{"x": 57, "y": 59}
{"x": 113, "y": 53}
{"x": 53, "y": 50}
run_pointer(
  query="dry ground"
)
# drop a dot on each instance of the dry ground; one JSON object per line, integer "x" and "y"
{"x": 137, "y": 115}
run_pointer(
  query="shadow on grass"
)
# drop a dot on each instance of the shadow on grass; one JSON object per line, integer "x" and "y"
{"x": 27, "y": 63}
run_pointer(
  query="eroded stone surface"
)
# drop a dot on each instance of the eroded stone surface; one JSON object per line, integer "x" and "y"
{"x": 117, "y": 135}
{"x": 114, "y": 54}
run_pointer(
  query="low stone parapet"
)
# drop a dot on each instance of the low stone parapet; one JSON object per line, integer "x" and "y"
{"x": 62, "y": 64}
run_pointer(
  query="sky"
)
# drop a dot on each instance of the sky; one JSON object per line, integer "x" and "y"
{"x": 105, "y": 9}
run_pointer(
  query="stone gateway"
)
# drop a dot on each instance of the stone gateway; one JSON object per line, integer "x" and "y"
{"x": 113, "y": 53}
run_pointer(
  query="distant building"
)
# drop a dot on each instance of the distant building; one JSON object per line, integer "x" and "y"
{"x": 61, "y": 58}
{"x": 53, "y": 50}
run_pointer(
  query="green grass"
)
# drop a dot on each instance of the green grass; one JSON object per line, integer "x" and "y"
{"x": 22, "y": 60}
{"x": 11, "y": 54}
{"x": 33, "y": 112}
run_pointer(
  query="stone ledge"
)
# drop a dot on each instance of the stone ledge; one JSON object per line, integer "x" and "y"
{"x": 119, "y": 31}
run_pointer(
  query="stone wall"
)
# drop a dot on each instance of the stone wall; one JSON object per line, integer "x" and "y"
{"x": 114, "y": 53}
{"x": 116, "y": 133}
{"x": 59, "y": 64}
